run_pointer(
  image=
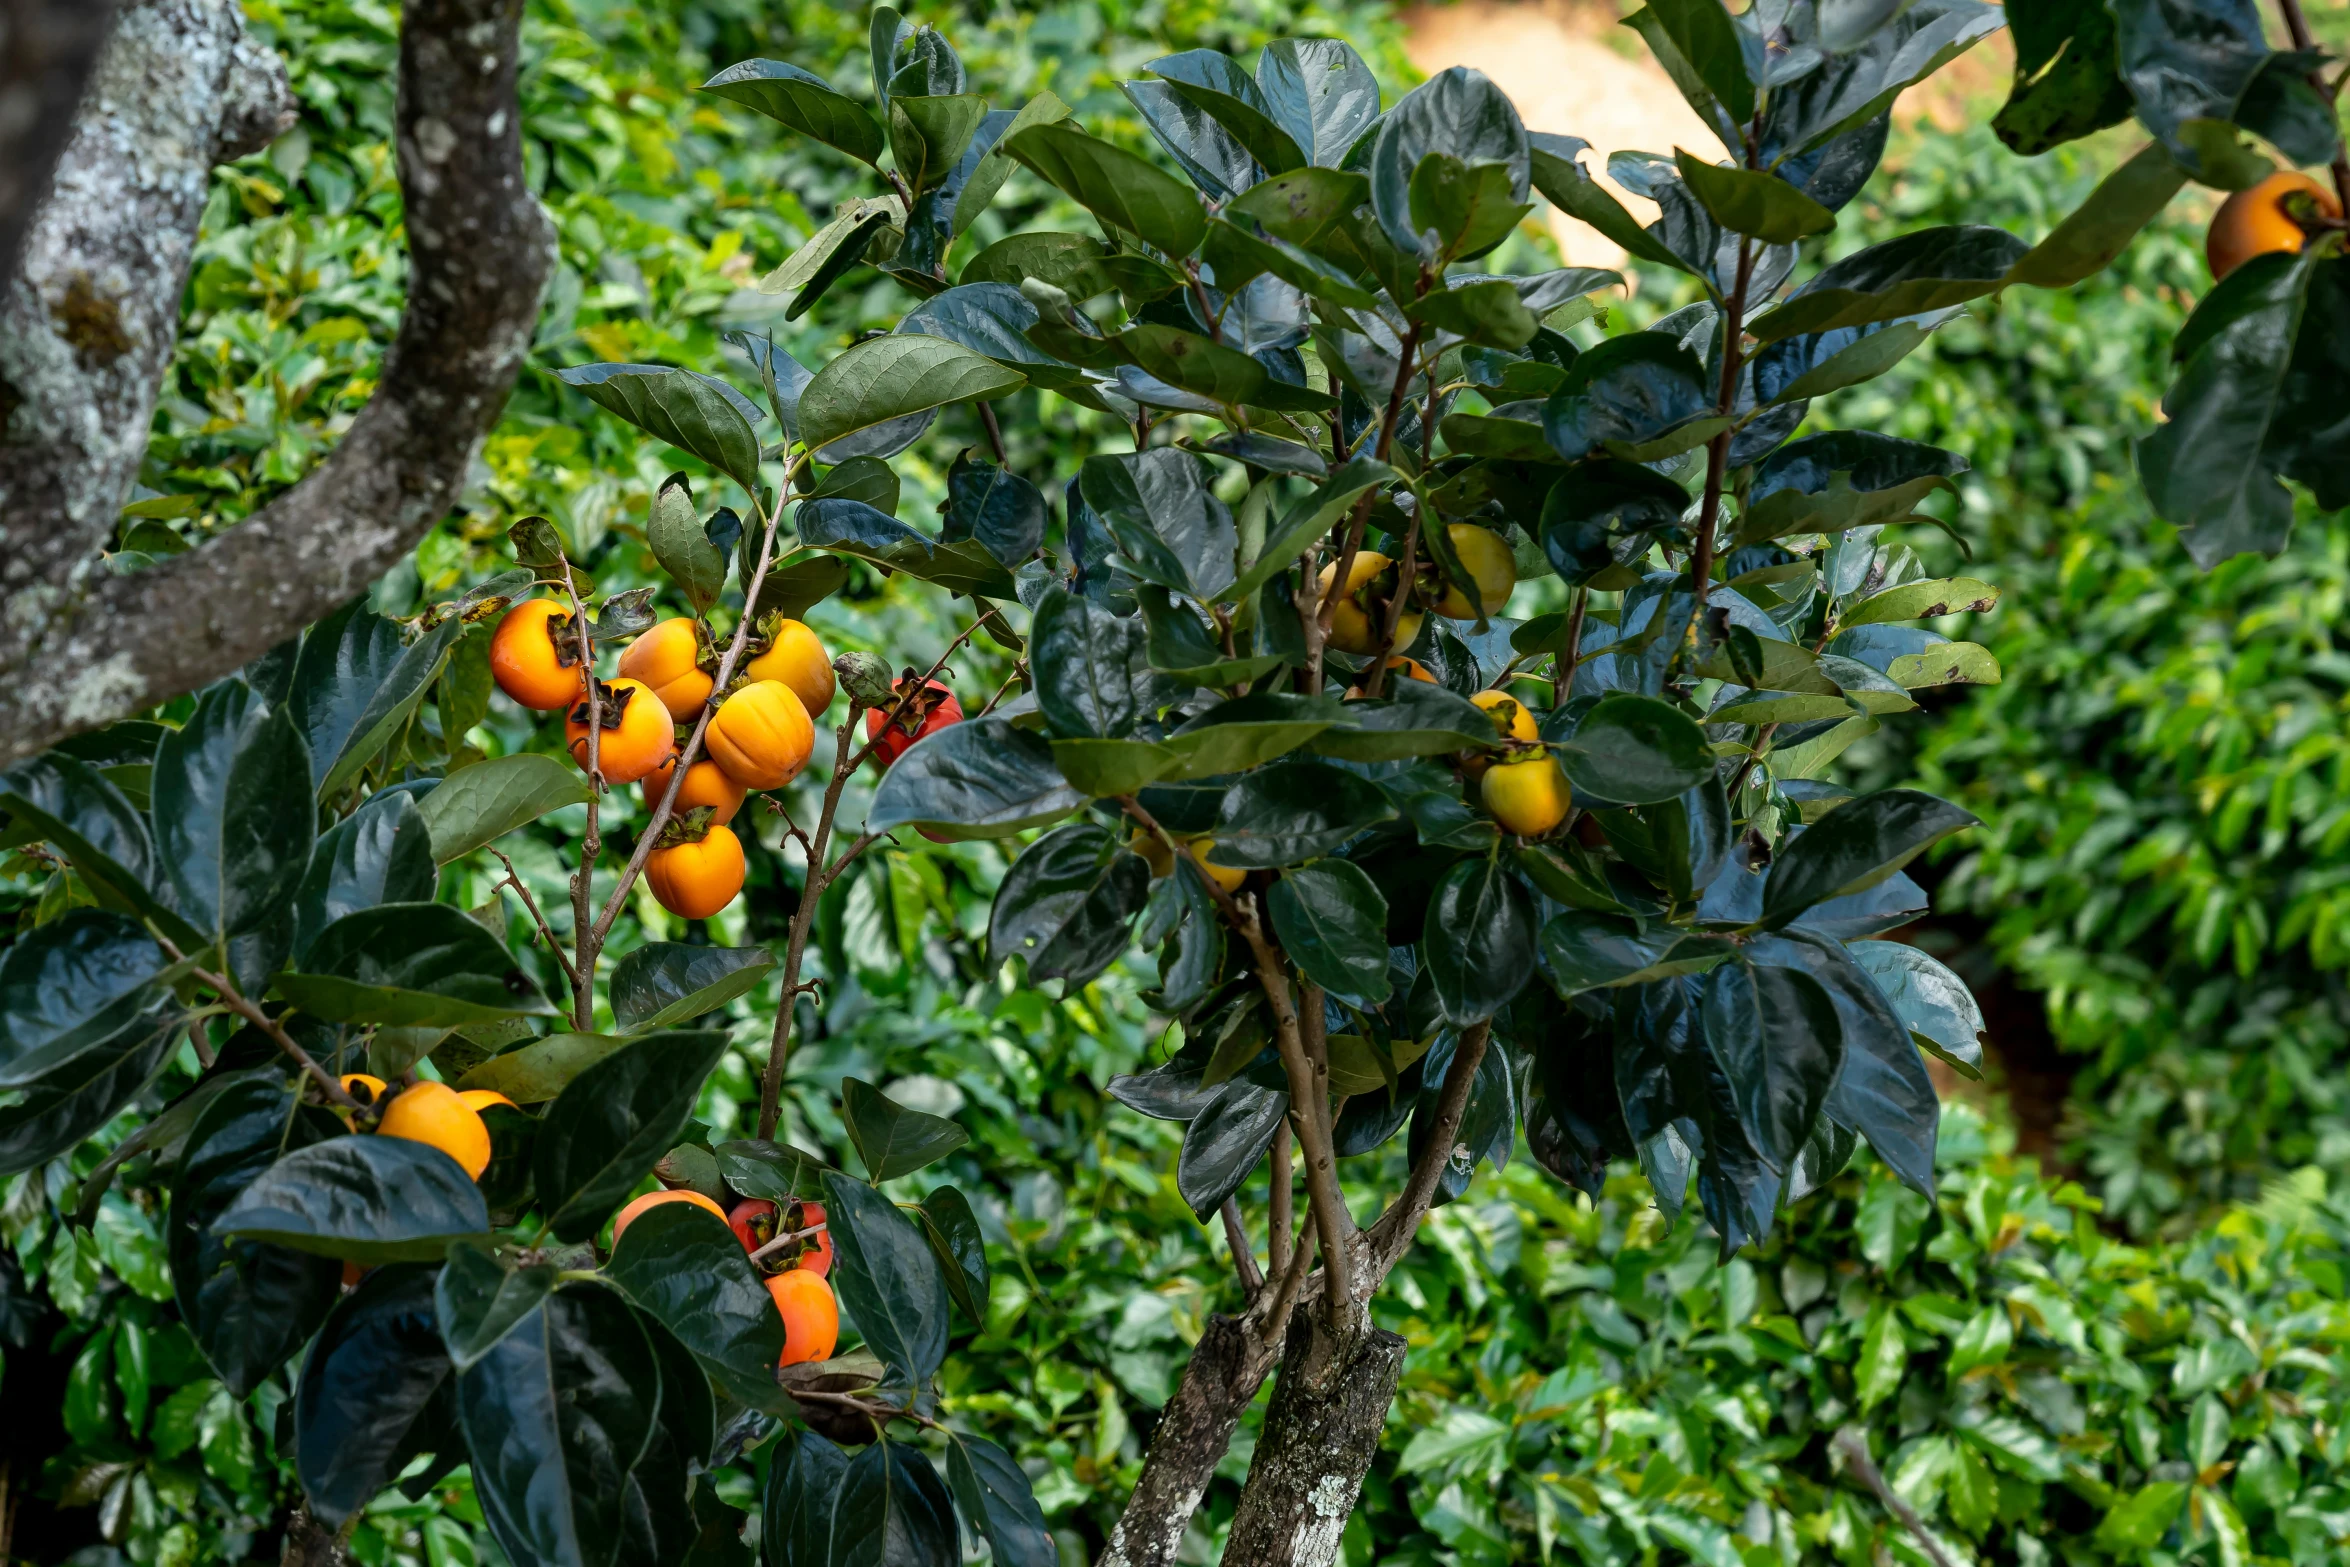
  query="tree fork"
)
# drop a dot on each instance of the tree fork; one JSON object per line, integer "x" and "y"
{"x": 1194, "y": 1432}
{"x": 1320, "y": 1436}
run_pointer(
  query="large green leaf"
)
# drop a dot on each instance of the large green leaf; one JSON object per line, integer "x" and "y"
{"x": 233, "y": 850}
{"x": 803, "y": 101}
{"x": 851, "y": 527}
{"x": 994, "y": 1497}
{"x": 1583, "y": 949}
{"x": 539, "y": 1071}
{"x": 51, "y": 1113}
{"x": 555, "y": 1416}
{"x": 2089, "y": 238}
{"x": 374, "y": 1393}
{"x": 1092, "y": 675}
{"x": 1935, "y": 1005}
{"x": 1331, "y": 919}
{"x": 1417, "y": 718}
{"x": 410, "y": 965}
{"x": 1295, "y": 812}
{"x": 615, "y": 1120}
{"x": 928, "y": 134}
{"x": 691, "y": 411}
{"x": 380, "y": 853}
{"x": 70, "y": 804}
{"x": 249, "y": 1305}
{"x": 687, "y": 1270}
{"x": 1458, "y": 112}
{"x": 69, "y": 986}
{"x": 1636, "y": 388}
{"x": 953, "y": 1232}
{"x": 1114, "y": 185}
{"x": 484, "y": 802}
{"x": 891, "y": 1139}
{"x": 1926, "y": 269}
{"x": 363, "y": 1199}
{"x": 1479, "y": 943}
{"x": 479, "y": 1299}
{"x": 883, "y": 1507}
{"x": 1636, "y": 750}
{"x": 982, "y": 778}
{"x": 1067, "y": 904}
{"x": 889, "y": 1281}
{"x": 1774, "y": 1034}
{"x": 1700, "y": 47}
{"x": 1225, "y": 1141}
{"x": 1747, "y": 201}
{"x": 1855, "y": 846}
{"x": 1246, "y": 732}
{"x": 664, "y": 983}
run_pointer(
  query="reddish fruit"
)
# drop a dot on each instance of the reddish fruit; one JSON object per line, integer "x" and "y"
{"x": 753, "y": 1222}
{"x": 817, "y": 1259}
{"x": 929, "y": 708}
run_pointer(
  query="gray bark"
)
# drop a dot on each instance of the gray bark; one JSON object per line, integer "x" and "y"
{"x": 47, "y": 50}
{"x": 309, "y": 1545}
{"x": 1329, "y": 1407}
{"x": 1227, "y": 1366}
{"x": 86, "y": 332}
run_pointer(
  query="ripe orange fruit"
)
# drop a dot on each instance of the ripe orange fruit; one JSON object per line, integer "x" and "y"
{"x": 1511, "y": 719}
{"x": 761, "y": 735}
{"x": 534, "y": 655}
{"x": 1225, "y": 876}
{"x": 363, "y": 1087}
{"x": 638, "y": 734}
{"x": 705, "y": 783}
{"x": 1362, "y": 613}
{"x": 811, "y": 1317}
{"x": 817, "y": 1259}
{"x": 1403, "y": 669}
{"x": 2254, "y": 221}
{"x": 479, "y": 1099}
{"x": 1154, "y": 853}
{"x": 621, "y": 1220}
{"x": 1486, "y": 556}
{"x": 798, "y": 660}
{"x": 668, "y": 658}
{"x": 433, "y": 1113}
{"x": 695, "y": 880}
{"x": 753, "y": 1222}
{"x": 1528, "y": 798}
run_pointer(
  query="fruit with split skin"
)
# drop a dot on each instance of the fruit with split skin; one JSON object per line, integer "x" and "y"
{"x": 795, "y": 657}
{"x": 2260, "y": 219}
{"x": 695, "y": 878}
{"x": 1361, "y": 612}
{"x": 669, "y": 658}
{"x": 761, "y": 735}
{"x": 635, "y": 732}
{"x": 534, "y": 655}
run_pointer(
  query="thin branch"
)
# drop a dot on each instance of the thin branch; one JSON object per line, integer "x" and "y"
{"x": 995, "y": 434}
{"x": 234, "y": 1000}
{"x": 1571, "y": 656}
{"x": 1717, "y": 451}
{"x": 1854, "y": 1451}
{"x": 1296, "y": 1286}
{"x": 1244, "y": 1260}
{"x": 1390, "y": 1236}
{"x": 591, "y": 846}
{"x": 1280, "y": 1218}
{"x": 2297, "y": 27}
{"x": 781, "y": 1241}
{"x": 530, "y": 905}
{"x": 1331, "y": 1218}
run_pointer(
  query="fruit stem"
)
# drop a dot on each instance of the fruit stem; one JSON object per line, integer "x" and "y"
{"x": 782, "y": 1241}
{"x": 2297, "y": 28}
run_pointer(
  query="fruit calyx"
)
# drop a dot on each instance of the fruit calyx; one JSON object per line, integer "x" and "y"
{"x": 611, "y": 706}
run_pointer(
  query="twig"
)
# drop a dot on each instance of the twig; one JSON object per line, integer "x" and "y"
{"x": 1391, "y": 1233}
{"x": 1571, "y": 657}
{"x": 995, "y": 434}
{"x": 1291, "y": 1291}
{"x": 1244, "y": 1259}
{"x": 879, "y": 1413}
{"x": 1280, "y": 1217}
{"x": 530, "y": 904}
{"x": 235, "y": 1001}
{"x": 1717, "y": 451}
{"x": 1849, "y": 1445}
{"x": 782, "y": 1241}
{"x": 591, "y": 847}
{"x": 2297, "y": 27}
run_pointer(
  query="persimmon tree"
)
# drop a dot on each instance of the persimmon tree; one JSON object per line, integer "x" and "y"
{"x": 1418, "y": 877}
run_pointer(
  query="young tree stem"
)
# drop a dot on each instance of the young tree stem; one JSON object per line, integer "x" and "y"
{"x": 1717, "y": 451}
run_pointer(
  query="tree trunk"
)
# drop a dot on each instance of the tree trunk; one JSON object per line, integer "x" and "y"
{"x": 1329, "y": 1408}
{"x": 1194, "y": 1432}
{"x": 308, "y": 1544}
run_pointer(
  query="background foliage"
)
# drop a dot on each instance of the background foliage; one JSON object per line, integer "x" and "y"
{"x": 2164, "y": 875}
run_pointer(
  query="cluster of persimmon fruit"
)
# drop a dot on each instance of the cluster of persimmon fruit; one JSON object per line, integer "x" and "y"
{"x": 761, "y": 731}
{"x": 789, "y": 1244}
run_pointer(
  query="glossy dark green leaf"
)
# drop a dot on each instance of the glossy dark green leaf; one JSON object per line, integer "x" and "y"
{"x": 71, "y": 805}
{"x": 2190, "y": 61}
{"x": 478, "y": 1299}
{"x": 995, "y": 1499}
{"x": 345, "y": 660}
{"x": 1216, "y": 84}
{"x": 410, "y": 964}
{"x": 1225, "y": 1141}
{"x": 1773, "y": 1032}
{"x": 1933, "y": 1003}
{"x": 686, "y": 1269}
{"x": 1331, "y": 919}
{"x": 668, "y": 1514}
{"x": 802, "y": 101}
{"x": 1843, "y": 479}
{"x": 1295, "y": 812}
{"x": 775, "y": 1171}
{"x": 2067, "y": 76}
{"x": 1193, "y": 955}
{"x": 1561, "y": 178}
{"x": 850, "y": 527}
{"x": 1703, "y": 54}
{"x": 2209, "y": 467}
{"x": 1067, "y": 905}
{"x": 1637, "y": 750}
{"x": 55, "y": 1111}
{"x": 1321, "y": 93}
{"x": 1634, "y": 388}
{"x": 1116, "y": 186}
{"x": 362, "y": 1199}
{"x": 891, "y": 1139}
{"x": 555, "y": 1416}
{"x": 365, "y": 1404}
{"x": 380, "y": 853}
{"x": 1796, "y": 369}
{"x": 953, "y": 1232}
{"x": 674, "y": 531}
{"x": 996, "y": 507}
{"x": 888, "y": 1280}
{"x": 1458, "y": 112}
{"x": 1208, "y": 154}
{"x": 691, "y": 411}
{"x": 1489, "y": 1121}
{"x": 982, "y": 778}
{"x": 1303, "y": 207}
{"x": 1926, "y": 269}
{"x": 1239, "y": 257}
{"x": 1585, "y": 950}
{"x": 234, "y": 852}
{"x": 1882, "y": 1089}
{"x": 250, "y": 1306}
{"x": 894, "y": 377}
{"x": 70, "y": 986}
{"x": 928, "y": 135}
{"x": 1478, "y": 947}
{"x": 664, "y": 983}
{"x": 1855, "y": 846}
{"x": 606, "y": 1131}
{"x": 1417, "y": 718}
{"x": 1483, "y": 311}
{"x": 484, "y": 802}
{"x": 1309, "y": 521}
{"x": 1162, "y": 509}
{"x": 885, "y": 1507}
{"x": 535, "y": 1073}
{"x": 1092, "y": 674}
{"x": 1848, "y": 91}
{"x": 1747, "y": 201}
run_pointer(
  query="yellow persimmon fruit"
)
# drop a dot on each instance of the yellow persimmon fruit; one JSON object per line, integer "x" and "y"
{"x": 1528, "y": 798}
{"x": 761, "y": 735}
{"x": 1486, "y": 556}
{"x": 1356, "y": 622}
{"x": 669, "y": 659}
{"x": 797, "y": 659}
{"x": 432, "y": 1113}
